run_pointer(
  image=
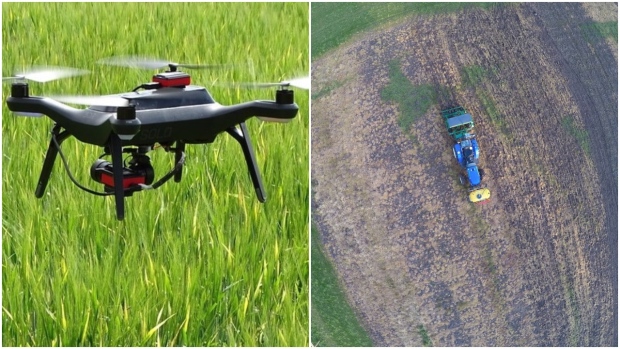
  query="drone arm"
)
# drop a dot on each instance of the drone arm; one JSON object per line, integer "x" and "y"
{"x": 86, "y": 125}
{"x": 47, "y": 106}
{"x": 270, "y": 109}
{"x": 243, "y": 137}
{"x": 274, "y": 110}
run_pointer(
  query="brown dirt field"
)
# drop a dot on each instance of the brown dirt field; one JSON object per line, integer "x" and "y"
{"x": 537, "y": 266}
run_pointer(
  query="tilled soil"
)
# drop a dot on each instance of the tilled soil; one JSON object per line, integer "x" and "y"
{"x": 537, "y": 266}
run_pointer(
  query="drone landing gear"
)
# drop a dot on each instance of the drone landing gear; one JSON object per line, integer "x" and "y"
{"x": 124, "y": 181}
{"x": 242, "y": 136}
{"x": 136, "y": 177}
{"x": 117, "y": 159}
{"x": 179, "y": 153}
{"x": 139, "y": 174}
{"x": 58, "y": 137}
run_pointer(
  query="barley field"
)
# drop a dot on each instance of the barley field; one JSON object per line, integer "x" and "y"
{"x": 195, "y": 263}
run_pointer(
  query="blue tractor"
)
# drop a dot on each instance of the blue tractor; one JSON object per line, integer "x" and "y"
{"x": 460, "y": 126}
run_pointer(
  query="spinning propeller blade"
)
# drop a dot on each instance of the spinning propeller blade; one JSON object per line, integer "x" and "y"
{"x": 152, "y": 63}
{"x": 106, "y": 101}
{"x": 303, "y": 83}
{"x": 276, "y": 120}
{"x": 45, "y": 74}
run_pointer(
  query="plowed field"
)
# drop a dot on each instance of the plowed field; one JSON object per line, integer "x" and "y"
{"x": 537, "y": 266}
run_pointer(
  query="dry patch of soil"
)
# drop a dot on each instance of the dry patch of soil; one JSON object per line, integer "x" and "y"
{"x": 536, "y": 266}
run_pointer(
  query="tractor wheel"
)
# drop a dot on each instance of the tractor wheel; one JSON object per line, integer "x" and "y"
{"x": 481, "y": 171}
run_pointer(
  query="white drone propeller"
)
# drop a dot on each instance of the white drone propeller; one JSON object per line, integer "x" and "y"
{"x": 279, "y": 121}
{"x": 151, "y": 63}
{"x": 106, "y": 101}
{"x": 45, "y": 74}
{"x": 303, "y": 83}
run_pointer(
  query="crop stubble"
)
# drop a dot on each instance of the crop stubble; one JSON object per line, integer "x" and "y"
{"x": 536, "y": 266}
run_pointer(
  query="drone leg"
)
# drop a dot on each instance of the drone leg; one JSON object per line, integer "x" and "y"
{"x": 178, "y": 153}
{"x": 117, "y": 170}
{"x": 50, "y": 158}
{"x": 243, "y": 137}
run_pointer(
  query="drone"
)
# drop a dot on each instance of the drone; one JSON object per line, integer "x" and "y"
{"x": 168, "y": 112}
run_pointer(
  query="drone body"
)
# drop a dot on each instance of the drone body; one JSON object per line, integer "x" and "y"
{"x": 169, "y": 111}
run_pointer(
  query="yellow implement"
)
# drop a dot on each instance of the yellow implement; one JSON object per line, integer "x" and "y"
{"x": 479, "y": 195}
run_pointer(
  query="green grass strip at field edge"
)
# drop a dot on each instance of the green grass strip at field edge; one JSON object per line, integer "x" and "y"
{"x": 333, "y": 321}
{"x": 595, "y": 30}
{"x": 335, "y": 23}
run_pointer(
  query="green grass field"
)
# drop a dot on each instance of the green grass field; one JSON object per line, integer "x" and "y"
{"x": 333, "y": 322}
{"x": 335, "y": 23}
{"x": 595, "y": 31}
{"x": 196, "y": 263}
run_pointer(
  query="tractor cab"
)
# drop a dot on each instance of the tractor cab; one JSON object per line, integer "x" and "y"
{"x": 466, "y": 152}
